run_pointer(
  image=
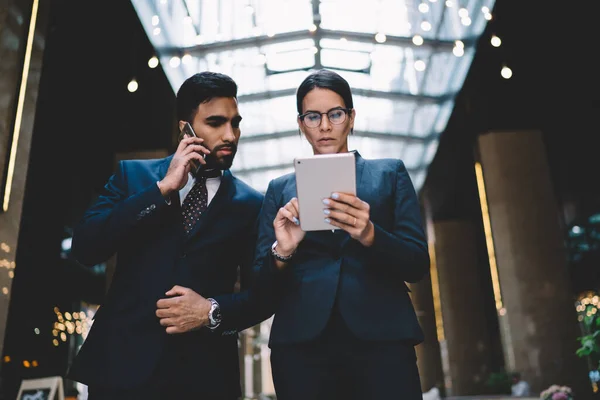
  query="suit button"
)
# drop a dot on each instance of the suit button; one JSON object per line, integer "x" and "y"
{"x": 183, "y": 255}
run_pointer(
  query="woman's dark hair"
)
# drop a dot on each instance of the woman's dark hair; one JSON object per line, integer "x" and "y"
{"x": 200, "y": 88}
{"x": 324, "y": 79}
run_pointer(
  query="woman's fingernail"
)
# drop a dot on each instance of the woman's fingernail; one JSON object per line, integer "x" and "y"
{"x": 296, "y": 220}
{"x": 326, "y": 201}
{"x": 326, "y": 211}
{"x": 327, "y": 220}
{"x": 335, "y": 195}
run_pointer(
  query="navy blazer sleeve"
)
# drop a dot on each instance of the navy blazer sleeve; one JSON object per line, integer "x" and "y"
{"x": 403, "y": 249}
{"x": 109, "y": 222}
{"x": 249, "y": 307}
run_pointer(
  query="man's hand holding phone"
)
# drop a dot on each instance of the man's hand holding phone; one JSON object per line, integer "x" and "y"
{"x": 189, "y": 152}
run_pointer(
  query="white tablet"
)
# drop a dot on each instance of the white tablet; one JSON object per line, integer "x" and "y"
{"x": 317, "y": 177}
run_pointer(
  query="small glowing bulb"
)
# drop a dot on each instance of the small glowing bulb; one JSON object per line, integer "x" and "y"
{"x": 426, "y": 26}
{"x": 458, "y": 51}
{"x": 153, "y": 62}
{"x": 506, "y": 72}
{"x": 156, "y": 31}
{"x": 155, "y": 20}
{"x": 132, "y": 86}
{"x": 380, "y": 37}
{"x": 186, "y": 59}
{"x": 495, "y": 41}
{"x": 423, "y": 7}
{"x": 312, "y": 28}
{"x": 417, "y": 40}
{"x": 420, "y": 65}
{"x": 174, "y": 62}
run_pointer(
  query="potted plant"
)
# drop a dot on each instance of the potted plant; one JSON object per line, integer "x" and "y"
{"x": 589, "y": 317}
{"x": 556, "y": 392}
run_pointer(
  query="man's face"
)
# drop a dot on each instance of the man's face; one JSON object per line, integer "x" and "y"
{"x": 218, "y": 122}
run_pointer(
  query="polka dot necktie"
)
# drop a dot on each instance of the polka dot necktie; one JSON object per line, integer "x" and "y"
{"x": 194, "y": 204}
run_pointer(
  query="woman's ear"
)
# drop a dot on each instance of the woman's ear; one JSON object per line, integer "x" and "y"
{"x": 352, "y": 115}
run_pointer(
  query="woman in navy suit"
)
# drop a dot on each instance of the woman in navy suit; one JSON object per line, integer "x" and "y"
{"x": 344, "y": 325}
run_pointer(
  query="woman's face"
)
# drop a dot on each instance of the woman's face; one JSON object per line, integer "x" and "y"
{"x": 328, "y": 137}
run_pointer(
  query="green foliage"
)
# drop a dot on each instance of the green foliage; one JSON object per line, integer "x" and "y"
{"x": 499, "y": 383}
{"x": 590, "y": 342}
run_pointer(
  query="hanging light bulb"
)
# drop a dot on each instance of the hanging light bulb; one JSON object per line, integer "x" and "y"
{"x": 417, "y": 40}
{"x": 132, "y": 86}
{"x": 506, "y": 72}
{"x": 495, "y": 41}
{"x": 153, "y": 62}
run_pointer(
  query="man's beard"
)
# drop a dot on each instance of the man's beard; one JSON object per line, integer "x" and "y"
{"x": 223, "y": 162}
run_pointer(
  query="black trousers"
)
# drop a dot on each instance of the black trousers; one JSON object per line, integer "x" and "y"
{"x": 175, "y": 378}
{"x": 338, "y": 365}
{"x": 150, "y": 392}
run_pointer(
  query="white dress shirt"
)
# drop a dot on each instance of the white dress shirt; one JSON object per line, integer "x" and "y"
{"x": 212, "y": 185}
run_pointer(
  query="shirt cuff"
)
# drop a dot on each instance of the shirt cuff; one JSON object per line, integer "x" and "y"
{"x": 167, "y": 200}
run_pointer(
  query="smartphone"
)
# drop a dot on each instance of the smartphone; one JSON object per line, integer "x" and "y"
{"x": 188, "y": 131}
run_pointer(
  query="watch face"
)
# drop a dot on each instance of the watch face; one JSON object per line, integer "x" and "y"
{"x": 217, "y": 314}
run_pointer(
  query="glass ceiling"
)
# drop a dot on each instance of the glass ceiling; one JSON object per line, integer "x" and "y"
{"x": 406, "y": 60}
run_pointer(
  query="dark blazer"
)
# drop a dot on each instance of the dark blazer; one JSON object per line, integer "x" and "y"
{"x": 368, "y": 284}
{"x": 132, "y": 219}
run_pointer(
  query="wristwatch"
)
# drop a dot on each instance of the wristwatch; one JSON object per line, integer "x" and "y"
{"x": 279, "y": 256}
{"x": 214, "y": 314}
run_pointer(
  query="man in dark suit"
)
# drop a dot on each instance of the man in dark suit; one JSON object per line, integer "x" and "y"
{"x": 180, "y": 233}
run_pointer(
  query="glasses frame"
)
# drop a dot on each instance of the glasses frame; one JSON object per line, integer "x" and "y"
{"x": 348, "y": 111}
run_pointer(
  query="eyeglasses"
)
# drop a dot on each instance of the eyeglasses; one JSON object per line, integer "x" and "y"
{"x": 336, "y": 116}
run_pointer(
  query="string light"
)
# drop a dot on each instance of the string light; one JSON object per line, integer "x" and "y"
{"x": 67, "y": 324}
{"x": 153, "y": 62}
{"x": 495, "y": 41}
{"x": 132, "y": 86}
{"x": 506, "y": 72}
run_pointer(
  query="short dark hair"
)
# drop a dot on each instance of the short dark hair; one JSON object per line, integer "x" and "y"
{"x": 200, "y": 88}
{"x": 324, "y": 79}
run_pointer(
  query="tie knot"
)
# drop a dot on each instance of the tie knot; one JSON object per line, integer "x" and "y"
{"x": 208, "y": 173}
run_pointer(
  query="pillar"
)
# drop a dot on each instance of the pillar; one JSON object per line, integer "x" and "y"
{"x": 537, "y": 317}
{"x": 466, "y": 346}
{"x": 22, "y": 37}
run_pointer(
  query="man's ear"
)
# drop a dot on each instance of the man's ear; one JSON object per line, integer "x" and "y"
{"x": 181, "y": 125}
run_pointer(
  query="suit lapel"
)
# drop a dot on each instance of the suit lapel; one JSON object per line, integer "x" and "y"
{"x": 360, "y": 193}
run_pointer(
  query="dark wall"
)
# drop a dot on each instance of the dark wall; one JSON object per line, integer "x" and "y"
{"x": 84, "y": 116}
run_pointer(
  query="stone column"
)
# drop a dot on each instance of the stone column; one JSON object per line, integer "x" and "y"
{"x": 467, "y": 341}
{"x": 22, "y": 39}
{"x": 428, "y": 353}
{"x": 537, "y": 317}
